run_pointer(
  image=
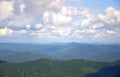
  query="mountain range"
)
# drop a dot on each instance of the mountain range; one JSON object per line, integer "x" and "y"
{"x": 13, "y": 52}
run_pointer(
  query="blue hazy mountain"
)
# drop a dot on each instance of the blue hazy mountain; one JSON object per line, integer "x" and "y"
{"x": 23, "y": 57}
{"x": 110, "y": 56}
{"x": 6, "y": 52}
{"x": 28, "y": 52}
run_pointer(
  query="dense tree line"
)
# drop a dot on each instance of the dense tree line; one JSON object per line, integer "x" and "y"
{"x": 53, "y": 68}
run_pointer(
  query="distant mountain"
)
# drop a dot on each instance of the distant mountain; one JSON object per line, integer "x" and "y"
{"x": 6, "y": 52}
{"x": 23, "y": 57}
{"x": 62, "y": 51}
{"x": 85, "y": 51}
{"x": 110, "y": 56}
{"x": 59, "y": 68}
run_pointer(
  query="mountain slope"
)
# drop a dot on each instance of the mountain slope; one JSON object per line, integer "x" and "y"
{"x": 23, "y": 57}
{"x": 111, "y": 71}
{"x": 85, "y": 51}
{"x": 6, "y": 52}
{"x": 65, "y": 51}
{"x": 110, "y": 56}
{"x": 53, "y": 68}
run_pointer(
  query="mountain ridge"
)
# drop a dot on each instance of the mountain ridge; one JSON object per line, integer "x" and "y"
{"x": 62, "y": 51}
{"x": 55, "y": 68}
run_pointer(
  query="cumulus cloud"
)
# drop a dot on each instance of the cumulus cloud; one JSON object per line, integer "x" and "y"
{"x": 112, "y": 16}
{"x": 6, "y": 9}
{"x": 87, "y": 31}
{"x": 86, "y": 22}
{"x": 20, "y": 32}
{"x": 20, "y": 22}
{"x": 64, "y": 31}
{"x": 38, "y": 6}
{"x": 5, "y": 31}
{"x": 98, "y": 35}
{"x": 28, "y": 26}
{"x": 40, "y": 33}
{"x": 61, "y": 19}
{"x": 19, "y": 7}
{"x": 55, "y": 19}
{"x": 104, "y": 24}
{"x": 38, "y": 26}
{"x": 97, "y": 25}
{"x": 110, "y": 32}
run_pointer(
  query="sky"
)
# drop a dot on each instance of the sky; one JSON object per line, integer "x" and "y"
{"x": 44, "y": 21}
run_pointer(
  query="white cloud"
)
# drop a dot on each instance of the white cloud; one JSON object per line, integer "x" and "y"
{"x": 6, "y": 9}
{"x": 75, "y": 11}
{"x": 76, "y": 0}
{"x": 64, "y": 31}
{"x": 36, "y": 6}
{"x": 97, "y": 25}
{"x": 39, "y": 6}
{"x": 28, "y": 26}
{"x": 5, "y": 31}
{"x": 42, "y": 33}
{"x": 112, "y": 16}
{"x": 46, "y": 17}
{"x": 61, "y": 19}
{"x": 38, "y": 26}
{"x": 20, "y": 32}
{"x": 98, "y": 35}
{"x": 79, "y": 36}
{"x": 88, "y": 31}
{"x": 22, "y": 7}
{"x": 70, "y": 11}
{"x": 86, "y": 22}
{"x": 56, "y": 18}
{"x": 20, "y": 21}
{"x": 105, "y": 34}
{"x": 110, "y": 32}
{"x": 65, "y": 15}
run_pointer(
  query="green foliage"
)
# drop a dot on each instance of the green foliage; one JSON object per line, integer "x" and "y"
{"x": 52, "y": 68}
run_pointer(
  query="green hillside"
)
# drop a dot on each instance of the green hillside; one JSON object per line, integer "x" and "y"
{"x": 53, "y": 68}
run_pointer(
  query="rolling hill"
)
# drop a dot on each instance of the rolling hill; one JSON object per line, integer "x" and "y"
{"x": 23, "y": 57}
{"x": 6, "y": 52}
{"x": 63, "y": 51}
{"x": 110, "y": 56}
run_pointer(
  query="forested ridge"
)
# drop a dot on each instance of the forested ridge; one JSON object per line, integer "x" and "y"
{"x": 55, "y": 68}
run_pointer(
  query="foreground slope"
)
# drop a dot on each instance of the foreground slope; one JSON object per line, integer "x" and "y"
{"x": 111, "y": 71}
{"x": 53, "y": 68}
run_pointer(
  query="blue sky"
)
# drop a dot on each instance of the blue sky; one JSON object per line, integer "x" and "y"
{"x": 44, "y": 21}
